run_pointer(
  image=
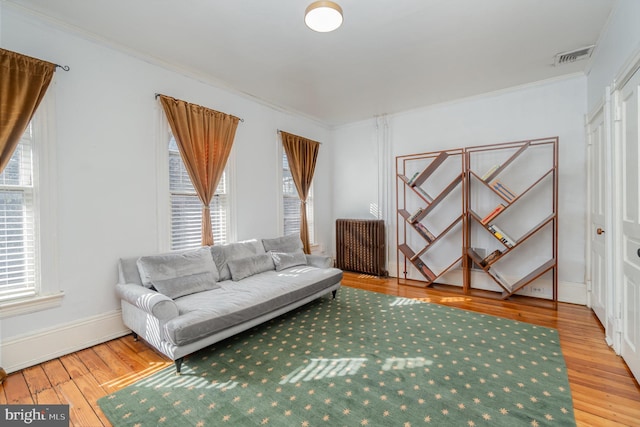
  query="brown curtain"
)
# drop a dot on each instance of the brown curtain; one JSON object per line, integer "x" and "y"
{"x": 23, "y": 83}
{"x": 204, "y": 139}
{"x": 302, "y": 154}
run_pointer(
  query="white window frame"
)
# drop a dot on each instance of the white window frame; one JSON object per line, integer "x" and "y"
{"x": 163, "y": 191}
{"x": 46, "y": 293}
{"x": 310, "y": 199}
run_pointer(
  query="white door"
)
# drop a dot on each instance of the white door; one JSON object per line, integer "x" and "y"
{"x": 598, "y": 297}
{"x": 629, "y": 220}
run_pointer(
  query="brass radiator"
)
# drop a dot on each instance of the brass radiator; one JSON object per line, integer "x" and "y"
{"x": 360, "y": 246}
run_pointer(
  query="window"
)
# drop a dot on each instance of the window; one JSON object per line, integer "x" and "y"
{"x": 28, "y": 220}
{"x": 17, "y": 225}
{"x": 291, "y": 203}
{"x": 186, "y": 208}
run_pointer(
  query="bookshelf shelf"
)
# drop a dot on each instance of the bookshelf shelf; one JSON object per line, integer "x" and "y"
{"x": 432, "y": 242}
{"x": 509, "y": 186}
{"x": 529, "y": 278}
{"x": 429, "y": 170}
{"x": 448, "y": 189}
{"x": 505, "y": 164}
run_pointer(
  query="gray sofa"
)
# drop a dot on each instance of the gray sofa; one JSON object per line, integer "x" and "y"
{"x": 184, "y": 301}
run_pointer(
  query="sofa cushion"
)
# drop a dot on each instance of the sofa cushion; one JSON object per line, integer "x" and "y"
{"x": 222, "y": 254}
{"x": 185, "y": 285}
{"x": 207, "y": 313}
{"x": 174, "y": 265}
{"x": 289, "y": 243}
{"x": 248, "y": 266}
{"x": 284, "y": 260}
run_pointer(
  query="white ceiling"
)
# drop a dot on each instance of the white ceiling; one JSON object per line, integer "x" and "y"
{"x": 389, "y": 55}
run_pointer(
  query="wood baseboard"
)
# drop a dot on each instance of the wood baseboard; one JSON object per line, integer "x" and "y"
{"x": 46, "y": 344}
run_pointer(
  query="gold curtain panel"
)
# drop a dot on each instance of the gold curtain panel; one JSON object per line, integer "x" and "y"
{"x": 204, "y": 138}
{"x": 302, "y": 154}
{"x": 23, "y": 84}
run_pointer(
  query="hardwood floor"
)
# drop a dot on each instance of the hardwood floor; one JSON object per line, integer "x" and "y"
{"x": 603, "y": 389}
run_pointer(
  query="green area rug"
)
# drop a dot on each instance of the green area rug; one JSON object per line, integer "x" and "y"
{"x": 363, "y": 359}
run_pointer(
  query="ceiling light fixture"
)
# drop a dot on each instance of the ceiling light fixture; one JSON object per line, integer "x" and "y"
{"x": 323, "y": 16}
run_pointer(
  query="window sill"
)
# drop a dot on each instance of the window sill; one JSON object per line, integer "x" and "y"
{"x": 30, "y": 305}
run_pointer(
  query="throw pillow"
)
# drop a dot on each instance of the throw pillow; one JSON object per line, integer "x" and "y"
{"x": 289, "y": 243}
{"x": 248, "y": 266}
{"x": 173, "y": 265}
{"x": 186, "y": 285}
{"x": 222, "y": 254}
{"x": 284, "y": 260}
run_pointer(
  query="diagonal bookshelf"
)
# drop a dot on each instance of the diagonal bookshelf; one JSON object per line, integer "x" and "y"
{"x": 504, "y": 220}
{"x": 430, "y": 199}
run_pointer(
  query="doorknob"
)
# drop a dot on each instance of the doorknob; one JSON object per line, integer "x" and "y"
{"x": 599, "y": 231}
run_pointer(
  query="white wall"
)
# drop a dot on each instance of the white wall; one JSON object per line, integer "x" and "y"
{"x": 542, "y": 110}
{"x": 619, "y": 42}
{"x": 106, "y": 119}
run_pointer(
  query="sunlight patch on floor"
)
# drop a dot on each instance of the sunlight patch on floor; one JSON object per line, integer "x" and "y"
{"x": 126, "y": 380}
{"x": 454, "y": 299}
{"x": 369, "y": 276}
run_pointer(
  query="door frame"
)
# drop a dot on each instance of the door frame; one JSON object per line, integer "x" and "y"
{"x": 617, "y": 251}
{"x": 611, "y": 307}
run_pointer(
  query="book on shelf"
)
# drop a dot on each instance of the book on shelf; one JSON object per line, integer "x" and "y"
{"x": 413, "y": 178}
{"x": 415, "y": 215}
{"x": 423, "y": 193}
{"x": 503, "y": 190}
{"x": 491, "y": 257}
{"x": 424, "y": 232}
{"x": 424, "y": 269}
{"x": 490, "y": 172}
{"x": 493, "y": 213}
{"x": 501, "y": 235}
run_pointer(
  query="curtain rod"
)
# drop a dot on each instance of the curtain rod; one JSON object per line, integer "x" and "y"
{"x": 239, "y": 118}
{"x": 64, "y": 67}
{"x": 280, "y": 131}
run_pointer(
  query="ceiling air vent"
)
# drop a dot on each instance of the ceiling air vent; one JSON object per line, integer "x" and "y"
{"x": 574, "y": 55}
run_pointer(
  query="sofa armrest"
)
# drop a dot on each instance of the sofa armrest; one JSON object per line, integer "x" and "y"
{"x": 160, "y": 306}
{"x": 320, "y": 261}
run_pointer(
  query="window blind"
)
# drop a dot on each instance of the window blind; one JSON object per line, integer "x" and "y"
{"x": 17, "y": 223}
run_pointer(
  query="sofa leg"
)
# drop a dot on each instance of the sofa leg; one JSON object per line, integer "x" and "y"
{"x": 334, "y": 293}
{"x": 178, "y": 365}
{"x": 135, "y": 336}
